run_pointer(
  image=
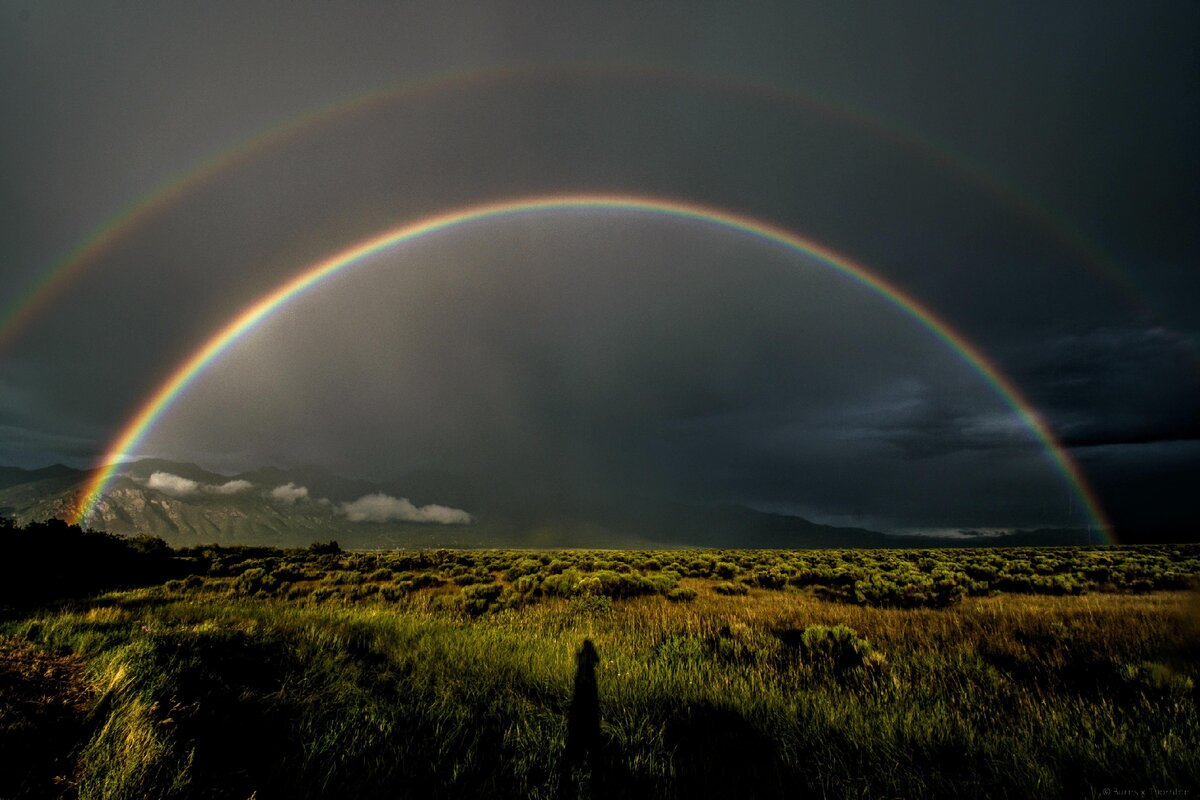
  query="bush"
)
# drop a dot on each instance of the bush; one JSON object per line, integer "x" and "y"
{"x": 254, "y": 581}
{"x": 476, "y": 598}
{"x": 409, "y": 581}
{"x": 526, "y": 566}
{"x": 392, "y": 593}
{"x": 342, "y": 577}
{"x": 468, "y": 578}
{"x": 772, "y": 579}
{"x": 726, "y": 569}
{"x": 681, "y": 595}
{"x": 1154, "y": 679}
{"x": 838, "y": 648}
{"x": 591, "y": 604}
{"x": 730, "y": 588}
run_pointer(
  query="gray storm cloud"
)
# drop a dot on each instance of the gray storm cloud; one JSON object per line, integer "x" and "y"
{"x": 588, "y": 354}
{"x": 380, "y": 507}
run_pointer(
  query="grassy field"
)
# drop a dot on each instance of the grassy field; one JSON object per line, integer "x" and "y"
{"x": 1064, "y": 672}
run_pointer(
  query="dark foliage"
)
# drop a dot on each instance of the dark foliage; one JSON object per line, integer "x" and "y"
{"x": 43, "y": 715}
{"x": 47, "y": 561}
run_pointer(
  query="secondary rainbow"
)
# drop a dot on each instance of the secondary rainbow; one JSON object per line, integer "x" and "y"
{"x": 58, "y": 276}
{"x": 135, "y": 430}
{"x": 54, "y": 280}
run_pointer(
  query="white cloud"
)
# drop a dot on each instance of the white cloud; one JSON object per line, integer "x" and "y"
{"x": 289, "y": 493}
{"x": 177, "y": 486}
{"x": 230, "y": 487}
{"x": 173, "y": 485}
{"x": 384, "y": 508}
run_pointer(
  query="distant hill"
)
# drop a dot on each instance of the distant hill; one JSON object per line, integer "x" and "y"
{"x": 15, "y": 476}
{"x": 186, "y": 504}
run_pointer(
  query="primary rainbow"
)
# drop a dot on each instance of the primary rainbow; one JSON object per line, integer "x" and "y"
{"x": 182, "y": 376}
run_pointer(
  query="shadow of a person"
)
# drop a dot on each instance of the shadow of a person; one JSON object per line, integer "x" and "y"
{"x": 583, "y": 726}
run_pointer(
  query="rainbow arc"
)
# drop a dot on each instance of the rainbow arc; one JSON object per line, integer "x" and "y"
{"x": 53, "y": 281}
{"x": 177, "y": 381}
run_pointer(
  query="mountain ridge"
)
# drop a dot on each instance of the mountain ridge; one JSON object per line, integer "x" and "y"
{"x": 186, "y": 504}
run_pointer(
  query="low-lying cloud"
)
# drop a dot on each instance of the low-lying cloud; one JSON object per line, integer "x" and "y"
{"x": 178, "y": 486}
{"x": 231, "y": 487}
{"x": 289, "y": 493}
{"x": 380, "y": 507}
{"x": 173, "y": 485}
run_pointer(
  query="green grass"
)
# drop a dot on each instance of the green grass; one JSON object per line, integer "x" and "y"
{"x": 289, "y": 683}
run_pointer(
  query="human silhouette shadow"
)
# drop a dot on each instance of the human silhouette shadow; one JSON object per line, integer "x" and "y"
{"x": 580, "y": 759}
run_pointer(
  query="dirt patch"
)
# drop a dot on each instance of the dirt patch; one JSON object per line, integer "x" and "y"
{"x": 44, "y": 700}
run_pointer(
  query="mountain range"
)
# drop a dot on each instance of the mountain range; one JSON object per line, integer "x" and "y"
{"x": 186, "y": 504}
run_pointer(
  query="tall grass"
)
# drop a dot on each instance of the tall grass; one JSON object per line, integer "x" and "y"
{"x": 768, "y": 694}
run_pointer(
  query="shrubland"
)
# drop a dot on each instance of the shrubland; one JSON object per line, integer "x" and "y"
{"x": 323, "y": 673}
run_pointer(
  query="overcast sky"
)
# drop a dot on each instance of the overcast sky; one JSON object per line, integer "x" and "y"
{"x": 1027, "y": 170}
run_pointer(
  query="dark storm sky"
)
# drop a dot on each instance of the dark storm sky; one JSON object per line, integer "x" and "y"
{"x": 613, "y": 354}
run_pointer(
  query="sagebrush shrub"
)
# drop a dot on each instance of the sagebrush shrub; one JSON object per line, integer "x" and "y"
{"x": 681, "y": 595}
{"x": 838, "y": 648}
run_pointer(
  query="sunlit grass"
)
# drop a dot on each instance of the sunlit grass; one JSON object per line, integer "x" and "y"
{"x": 835, "y": 673}
{"x": 204, "y": 692}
